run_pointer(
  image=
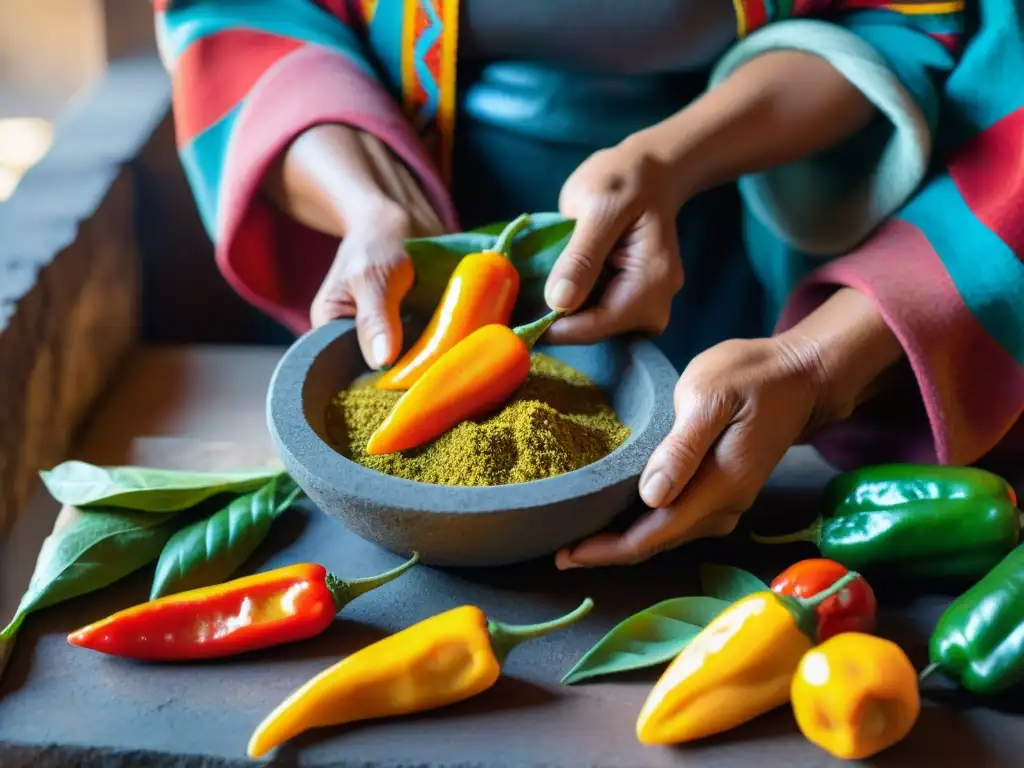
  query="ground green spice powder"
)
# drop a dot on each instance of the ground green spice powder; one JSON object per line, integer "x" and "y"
{"x": 557, "y": 422}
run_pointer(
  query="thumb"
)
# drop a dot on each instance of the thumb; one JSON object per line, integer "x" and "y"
{"x": 378, "y": 294}
{"x": 700, "y": 420}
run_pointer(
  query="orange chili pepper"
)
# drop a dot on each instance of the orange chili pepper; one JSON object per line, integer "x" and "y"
{"x": 471, "y": 379}
{"x": 482, "y": 290}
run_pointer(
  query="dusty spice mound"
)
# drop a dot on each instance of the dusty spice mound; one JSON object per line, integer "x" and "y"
{"x": 557, "y": 422}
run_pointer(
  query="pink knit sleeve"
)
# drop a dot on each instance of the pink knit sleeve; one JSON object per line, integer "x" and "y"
{"x": 967, "y": 395}
{"x": 272, "y": 261}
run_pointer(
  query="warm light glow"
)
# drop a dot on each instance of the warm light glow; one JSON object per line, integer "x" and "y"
{"x": 23, "y": 142}
{"x": 9, "y": 179}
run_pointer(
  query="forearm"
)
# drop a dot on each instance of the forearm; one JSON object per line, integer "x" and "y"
{"x": 333, "y": 175}
{"x": 779, "y": 108}
{"x": 850, "y": 347}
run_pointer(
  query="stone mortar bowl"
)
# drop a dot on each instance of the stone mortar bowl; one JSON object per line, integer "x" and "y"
{"x": 466, "y": 526}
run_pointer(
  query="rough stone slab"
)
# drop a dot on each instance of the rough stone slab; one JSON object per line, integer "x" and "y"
{"x": 64, "y": 706}
{"x": 63, "y": 339}
{"x": 69, "y": 272}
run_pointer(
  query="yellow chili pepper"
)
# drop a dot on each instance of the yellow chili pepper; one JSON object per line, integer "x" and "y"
{"x": 442, "y": 660}
{"x": 740, "y": 666}
{"x": 855, "y": 695}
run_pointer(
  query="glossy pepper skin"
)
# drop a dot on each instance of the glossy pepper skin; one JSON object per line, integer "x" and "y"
{"x": 855, "y": 695}
{"x": 481, "y": 291}
{"x": 854, "y": 609}
{"x": 979, "y": 639}
{"x": 740, "y": 666}
{"x": 439, "y": 661}
{"x": 471, "y": 379}
{"x": 266, "y": 609}
{"x": 915, "y": 520}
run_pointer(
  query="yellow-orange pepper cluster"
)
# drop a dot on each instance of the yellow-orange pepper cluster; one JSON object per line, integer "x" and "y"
{"x": 854, "y": 695}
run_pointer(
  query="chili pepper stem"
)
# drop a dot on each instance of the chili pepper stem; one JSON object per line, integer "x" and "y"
{"x": 505, "y": 637}
{"x": 802, "y": 608}
{"x": 927, "y": 672}
{"x": 815, "y": 600}
{"x": 345, "y": 591}
{"x": 530, "y": 333}
{"x": 513, "y": 228}
{"x": 809, "y": 534}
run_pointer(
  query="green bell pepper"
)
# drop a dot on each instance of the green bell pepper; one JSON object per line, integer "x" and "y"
{"x": 915, "y": 520}
{"x": 979, "y": 640}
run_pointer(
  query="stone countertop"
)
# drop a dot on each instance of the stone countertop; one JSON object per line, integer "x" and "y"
{"x": 63, "y": 706}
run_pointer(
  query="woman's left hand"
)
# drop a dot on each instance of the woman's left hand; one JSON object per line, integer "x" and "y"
{"x": 739, "y": 407}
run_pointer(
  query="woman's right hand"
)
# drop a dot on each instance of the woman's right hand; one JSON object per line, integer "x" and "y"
{"x": 369, "y": 278}
{"x": 346, "y": 182}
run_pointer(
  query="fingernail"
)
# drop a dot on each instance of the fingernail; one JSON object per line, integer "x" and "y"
{"x": 656, "y": 488}
{"x": 564, "y": 561}
{"x": 379, "y": 350}
{"x": 562, "y": 294}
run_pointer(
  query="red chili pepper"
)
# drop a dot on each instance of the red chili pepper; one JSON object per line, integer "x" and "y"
{"x": 853, "y": 609}
{"x": 272, "y": 608}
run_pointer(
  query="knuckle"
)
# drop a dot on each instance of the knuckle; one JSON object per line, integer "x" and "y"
{"x": 658, "y": 320}
{"x": 377, "y": 272}
{"x": 578, "y": 262}
{"x": 728, "y": 522}
{"x": 677, "y": 449}
{"x": 370, "y": 324}
{"x": 638, "y": 551}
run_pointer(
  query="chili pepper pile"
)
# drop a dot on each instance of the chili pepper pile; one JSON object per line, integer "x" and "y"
{"x": 481, "y": 291}
{"x": 807, "y": 639}
{"x": 467, "y": 362}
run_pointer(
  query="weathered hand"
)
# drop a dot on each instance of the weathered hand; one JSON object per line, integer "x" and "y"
{"x": 368, "y": 280}
{"x": 371, "y": 273}
{"x": 739, "y": 407}
{"x": 625, "y": 220}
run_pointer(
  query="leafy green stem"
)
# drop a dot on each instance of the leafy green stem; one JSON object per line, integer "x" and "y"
{"x": 508, "y": 234}
{"x": 531, "y": 332}
{"x": 809, "y": 534}
{"x": 505, "y": 637}
{"x": 927, "y": 672}
{"x": 815, "y": 600}
{"x": 345, "y": 591}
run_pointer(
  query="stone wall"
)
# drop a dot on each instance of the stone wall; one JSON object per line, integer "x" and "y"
{"x": 70, "y": 271}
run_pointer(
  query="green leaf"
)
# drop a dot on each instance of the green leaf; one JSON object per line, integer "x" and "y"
{"x": 534, "y": 251}
{"x": 728, "y": 583}
{"x": 77, "y": 484}
{"x": 209, "y": 551}
{"x": 653, "y": 636}
{"x": 93, "y": 550}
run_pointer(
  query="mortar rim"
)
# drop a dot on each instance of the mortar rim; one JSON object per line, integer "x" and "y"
{"x": 304, "y": 452}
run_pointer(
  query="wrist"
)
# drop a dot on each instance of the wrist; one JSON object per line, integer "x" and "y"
{"x": 679, "y": 146}
{"x": 846, "y": 348}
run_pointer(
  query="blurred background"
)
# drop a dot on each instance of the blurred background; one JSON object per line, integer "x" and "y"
{"x": 56, "y": 60}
